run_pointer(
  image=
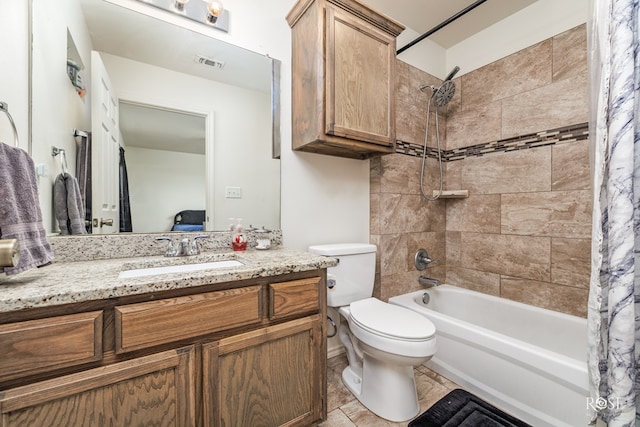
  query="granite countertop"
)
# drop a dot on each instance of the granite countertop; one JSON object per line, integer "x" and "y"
{"x": 70, "y": 282}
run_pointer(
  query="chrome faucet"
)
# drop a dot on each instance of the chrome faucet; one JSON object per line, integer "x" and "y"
{"x": 428, "y": 282}
{"x": 184, "y": 248}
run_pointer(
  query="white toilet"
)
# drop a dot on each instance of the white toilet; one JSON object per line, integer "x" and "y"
{"x": 383, "y": 341}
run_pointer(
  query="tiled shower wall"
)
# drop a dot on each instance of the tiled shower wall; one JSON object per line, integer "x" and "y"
{"x": 524, "y": 231}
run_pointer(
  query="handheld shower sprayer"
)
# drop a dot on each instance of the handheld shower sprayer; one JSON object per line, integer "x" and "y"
{"x": 441, "y": 97}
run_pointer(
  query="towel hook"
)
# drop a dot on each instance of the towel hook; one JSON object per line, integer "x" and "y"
{"x": 63, "y": 157}
{"x": 4, "y": 107}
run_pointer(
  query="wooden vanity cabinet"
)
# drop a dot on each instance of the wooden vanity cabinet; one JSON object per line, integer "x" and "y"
{"x": 343, "y": 78}
{"x": 234, "y": 354}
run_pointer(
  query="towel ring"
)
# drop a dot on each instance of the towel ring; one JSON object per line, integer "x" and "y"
{"x": 63, "y": 157}
{"x": 4, "y": 107}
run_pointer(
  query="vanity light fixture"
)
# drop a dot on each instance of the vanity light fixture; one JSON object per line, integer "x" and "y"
{"x": 215, "y": 8}
{"x": 178, "y": 5}
{"x": 209, "y": 12}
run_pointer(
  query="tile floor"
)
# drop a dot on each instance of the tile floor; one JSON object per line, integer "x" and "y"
{"x": 344, "y": 410}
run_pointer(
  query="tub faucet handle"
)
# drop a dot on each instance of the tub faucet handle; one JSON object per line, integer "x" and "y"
{"x": 422, "y": 259}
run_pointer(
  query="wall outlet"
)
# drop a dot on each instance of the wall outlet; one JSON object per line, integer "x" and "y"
{"x": 233, "y": 192}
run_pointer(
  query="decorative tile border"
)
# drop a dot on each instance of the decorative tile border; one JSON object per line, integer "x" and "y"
{"x": 561, "y": 135}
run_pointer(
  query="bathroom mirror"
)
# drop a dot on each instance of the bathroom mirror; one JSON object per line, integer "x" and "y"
{"x": 197, "y": 116}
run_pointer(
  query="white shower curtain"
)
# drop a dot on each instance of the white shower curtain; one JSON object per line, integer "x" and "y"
{"x": 614, "y": 298}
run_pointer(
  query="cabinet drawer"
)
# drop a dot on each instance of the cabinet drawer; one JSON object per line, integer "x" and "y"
{"x": 295, "y": 297}
{"x": 45, "y": 344}
{"x": 158, "y": 322}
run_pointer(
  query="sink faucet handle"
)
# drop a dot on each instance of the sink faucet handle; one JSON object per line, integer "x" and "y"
{"x": 171, "y": 250}
{"x": 195, "y": 249}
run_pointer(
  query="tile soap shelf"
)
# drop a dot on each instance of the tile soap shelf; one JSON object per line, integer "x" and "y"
{"x": 452, "y": 194}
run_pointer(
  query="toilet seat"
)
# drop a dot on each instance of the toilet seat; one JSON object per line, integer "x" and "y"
{"x": 383, "y": 327}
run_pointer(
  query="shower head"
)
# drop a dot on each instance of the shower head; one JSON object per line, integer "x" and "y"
{"x": 443, "y": 94}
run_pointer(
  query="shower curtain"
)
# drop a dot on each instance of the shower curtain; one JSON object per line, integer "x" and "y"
{"x": 614, "y": 296}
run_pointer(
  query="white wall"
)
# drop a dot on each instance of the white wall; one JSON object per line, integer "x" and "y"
{"x": 241, "y": 134}
{"x": 161, "y": 184}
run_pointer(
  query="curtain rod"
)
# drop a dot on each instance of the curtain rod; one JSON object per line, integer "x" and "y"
{"x": 441, "y": 25}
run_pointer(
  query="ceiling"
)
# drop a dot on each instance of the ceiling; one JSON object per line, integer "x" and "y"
{"x": 423, "y": 15}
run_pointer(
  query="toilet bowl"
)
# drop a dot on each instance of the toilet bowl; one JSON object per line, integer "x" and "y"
{"x": 386, "y": 344}
{"x": 383, "y": 342}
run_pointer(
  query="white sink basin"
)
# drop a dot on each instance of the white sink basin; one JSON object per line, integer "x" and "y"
{"x": 183, "y": 268}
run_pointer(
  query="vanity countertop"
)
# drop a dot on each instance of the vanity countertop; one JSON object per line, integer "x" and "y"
{"x": 70, "y": 282}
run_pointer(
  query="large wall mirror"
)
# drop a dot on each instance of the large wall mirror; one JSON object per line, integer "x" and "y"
{"x": 196, "y": 117}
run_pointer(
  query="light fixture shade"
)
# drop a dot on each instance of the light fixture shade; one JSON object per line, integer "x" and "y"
{"x": 215, "y": 9}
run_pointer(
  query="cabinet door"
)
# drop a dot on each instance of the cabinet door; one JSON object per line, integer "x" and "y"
{"x": 153, "y": 390}
{"x": 273, "y": 376}
{"x": 359, "y": 79}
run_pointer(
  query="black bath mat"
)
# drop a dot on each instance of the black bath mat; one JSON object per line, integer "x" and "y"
{"x": 460, "y": 408}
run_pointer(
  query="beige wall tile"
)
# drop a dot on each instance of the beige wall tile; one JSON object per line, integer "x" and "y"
{"x": 565, "y": 299}
{"x": 375, "y": 170}
{"x": 514, "y": 172}
{"x": 453, "y": 175}
{"x": 374, "y": 213}
{"x": 453, "y": 248}
{"x": 563, "y": 103}
{"x": 480, "y": 281}
{"x": 400, "y": 174}
{"x": 525, "y": 70}
{"x": 570, "y": 53}
{"x": 410, "y": 122}
{"x": 400, "y": 213}
{"x": 570, "y": 166}
{"x": 482, "y": 123}
{"x": 393, "y": 255}
{"x": 520, "y": 256}
{"x": 571, "y": 262}
{"x": 477, "y": 213}
{"x": 555, "y": 214}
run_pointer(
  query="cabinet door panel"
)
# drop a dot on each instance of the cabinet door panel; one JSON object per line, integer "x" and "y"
{"x": 269, "y": 377}
{"x": 40, "y": 345}
{"x": 163, "y": 321}
{"x": 152, "y": 390}
{"x": 359, "y": 80}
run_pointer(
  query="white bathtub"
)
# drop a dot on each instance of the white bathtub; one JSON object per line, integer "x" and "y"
{"x": 529, "y": 361}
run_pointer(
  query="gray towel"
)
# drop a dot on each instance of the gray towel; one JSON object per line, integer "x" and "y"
{"x": 20, "y": 214}
{"x": 67, "y": 204}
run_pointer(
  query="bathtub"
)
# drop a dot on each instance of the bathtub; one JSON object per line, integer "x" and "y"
{"x": 529, "y": 361}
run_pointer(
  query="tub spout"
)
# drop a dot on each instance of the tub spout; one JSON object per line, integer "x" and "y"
{"x": 426, "y": 281}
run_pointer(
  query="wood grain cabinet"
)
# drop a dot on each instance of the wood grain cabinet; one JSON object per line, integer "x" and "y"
{"x": 343, "y": 78}
{"x": 231, "y": 354}
{"x": 156, "y": 390}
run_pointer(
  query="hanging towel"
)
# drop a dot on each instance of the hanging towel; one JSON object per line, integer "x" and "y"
{"x": 67, "y": 204}
{"x": 83, "y": 174}
{"x": 125, "y": 205}
{"x": 20, "y": 213}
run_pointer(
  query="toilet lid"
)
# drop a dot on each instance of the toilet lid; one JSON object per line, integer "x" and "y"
{"x": 391, "y": 320}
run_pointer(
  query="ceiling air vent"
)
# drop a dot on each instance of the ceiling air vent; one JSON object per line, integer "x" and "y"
{"x": 218, "y": 65}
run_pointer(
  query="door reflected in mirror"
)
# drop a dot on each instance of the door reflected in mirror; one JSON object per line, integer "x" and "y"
{"x": 189, "y": 130}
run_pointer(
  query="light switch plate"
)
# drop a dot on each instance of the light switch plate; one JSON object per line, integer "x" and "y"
{"x": 233, "y": 192}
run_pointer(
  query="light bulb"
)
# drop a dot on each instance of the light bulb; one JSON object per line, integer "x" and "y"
{"x": 215, "y": 8}
{"x": 179, "y": 5}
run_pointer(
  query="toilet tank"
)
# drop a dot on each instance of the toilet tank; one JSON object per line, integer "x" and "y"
{"x": 354, "y": 275}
